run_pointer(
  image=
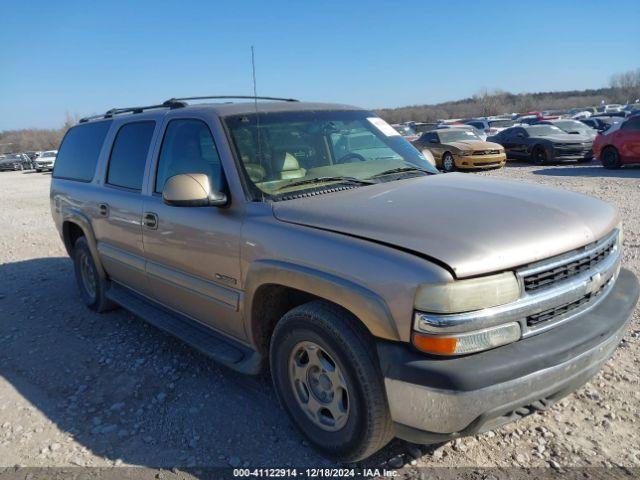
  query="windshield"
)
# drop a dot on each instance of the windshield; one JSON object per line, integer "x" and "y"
{"x": 570, "y": 126}
{"x": 295, "y": 148}
{"x": 405, "y": 131}
{"x": 448, "y": 136}
{"x": 48, "y": 154}
{"x": 542, "y": 130}
{"x": 501, "y": 123}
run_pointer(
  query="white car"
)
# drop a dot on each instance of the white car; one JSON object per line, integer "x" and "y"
{"x": 581, "y": 115}
{"x": 612, "y": 108}
{"x": 45, "y": 161}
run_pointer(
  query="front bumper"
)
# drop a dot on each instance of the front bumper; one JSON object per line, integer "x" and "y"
{"x": 434, "y": 399}
{"x": 480, "y": 161}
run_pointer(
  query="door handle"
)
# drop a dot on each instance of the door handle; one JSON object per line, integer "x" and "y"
{"x": 103, "y": 209}
{"x": 150, "y": 220}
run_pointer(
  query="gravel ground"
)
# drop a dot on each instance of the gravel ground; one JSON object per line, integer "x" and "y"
{"x": 78, "y": 388}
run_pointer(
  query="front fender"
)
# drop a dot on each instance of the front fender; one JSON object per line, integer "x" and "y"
{"x": 365, "y": 304}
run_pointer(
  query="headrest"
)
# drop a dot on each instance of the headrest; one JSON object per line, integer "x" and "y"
{"x": 289, "y": 163}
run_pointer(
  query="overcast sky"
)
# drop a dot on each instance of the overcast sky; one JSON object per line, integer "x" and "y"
{"x": 86, "y": 57}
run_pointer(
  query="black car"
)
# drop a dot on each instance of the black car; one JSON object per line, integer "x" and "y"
{"x": 574, "y": 127}
{"x": 14, "y": 161}
{"x": 543, "y": 143}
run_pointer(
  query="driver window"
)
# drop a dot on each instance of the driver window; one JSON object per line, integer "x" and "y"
{"x": 188, "y": 147}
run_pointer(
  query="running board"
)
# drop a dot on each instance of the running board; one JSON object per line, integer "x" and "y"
{"x": 214, "y": 345}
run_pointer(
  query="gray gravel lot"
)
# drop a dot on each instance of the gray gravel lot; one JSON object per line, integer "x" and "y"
{"x": 78, "y": 388}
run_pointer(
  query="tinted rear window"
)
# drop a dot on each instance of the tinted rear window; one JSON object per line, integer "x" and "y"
{"x": 129, "y": 155}
{"x": 79, "y": 151}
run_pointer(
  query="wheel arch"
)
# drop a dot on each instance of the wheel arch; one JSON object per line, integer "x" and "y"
{"x": 74, "y": 225}
{"x": 275, "y": 287}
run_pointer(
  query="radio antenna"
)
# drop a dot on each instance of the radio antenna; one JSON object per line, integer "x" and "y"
{"x": 255, "y": 103}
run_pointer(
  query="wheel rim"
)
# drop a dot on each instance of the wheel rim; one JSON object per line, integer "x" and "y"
{"x": 609, "y": 157}
{"x": 87, "y": 275}
{"x": 541, "y": 156}
{"x": 448, "y": 162}
{"x": 319, "y": 386}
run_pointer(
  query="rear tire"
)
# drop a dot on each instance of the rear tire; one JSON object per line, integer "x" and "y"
{"x": 611, "y": 158}
{"x": 347, "y": 375}
{"x": 92, "y": 286}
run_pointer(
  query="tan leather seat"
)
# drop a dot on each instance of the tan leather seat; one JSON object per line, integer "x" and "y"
{"x": 286, "y": 166}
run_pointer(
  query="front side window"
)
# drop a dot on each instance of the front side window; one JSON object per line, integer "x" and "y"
{"x": 188, "y": 147}
{"x": 129, "y": 155}
{"x": 288, "y": 151}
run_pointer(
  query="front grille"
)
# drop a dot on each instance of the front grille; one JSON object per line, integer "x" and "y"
{"x": 486, "y": 152}
{"x": 548, "y": 278}
{"x": 552, "y": 313}
{"x": 486, "y": 164}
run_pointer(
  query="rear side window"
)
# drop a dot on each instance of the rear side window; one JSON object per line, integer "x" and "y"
{"x": 129, "y": 155}
{"x": 79, "y": 151}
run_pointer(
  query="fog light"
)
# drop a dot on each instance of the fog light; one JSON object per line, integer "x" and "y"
{"x": 470, "y": 342}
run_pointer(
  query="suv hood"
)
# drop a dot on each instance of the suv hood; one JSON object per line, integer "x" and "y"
{"x": 474, "y": 225}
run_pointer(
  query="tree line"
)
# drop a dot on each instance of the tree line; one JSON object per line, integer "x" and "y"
{"x": 623, "y": 88}
{"x": 34, "y": 139}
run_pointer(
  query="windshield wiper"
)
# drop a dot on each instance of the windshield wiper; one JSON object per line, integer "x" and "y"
{"x": 401, "y": 170}
{"x": 341, "y": 179}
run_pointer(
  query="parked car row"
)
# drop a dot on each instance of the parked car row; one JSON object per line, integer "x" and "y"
{"x": 38, "y": 161}
{"x": 540, "y": 137}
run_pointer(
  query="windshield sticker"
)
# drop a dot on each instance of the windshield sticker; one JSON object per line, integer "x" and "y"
{"x": 383, "y": 127}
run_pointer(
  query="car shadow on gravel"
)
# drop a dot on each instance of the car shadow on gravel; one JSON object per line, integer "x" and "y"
{"x": 129, "y": 393}
{"x": 632, "y": 171}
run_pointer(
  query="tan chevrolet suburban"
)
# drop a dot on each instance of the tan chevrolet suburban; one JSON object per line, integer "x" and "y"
{"x": 385, "y": 298}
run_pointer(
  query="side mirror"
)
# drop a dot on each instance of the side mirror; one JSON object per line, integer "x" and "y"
{"x": 520, "y": 135}
{"x": 191, "y": 190}
{"x": 433, "y": 140}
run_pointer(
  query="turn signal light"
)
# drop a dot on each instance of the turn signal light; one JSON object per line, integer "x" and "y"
{"x": 469, "y": 342}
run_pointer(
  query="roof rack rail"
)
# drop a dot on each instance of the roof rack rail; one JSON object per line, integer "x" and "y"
{"x": 177, "y": 103}
{"x": 231, "y": 97}
{"x": 117, "y": 111}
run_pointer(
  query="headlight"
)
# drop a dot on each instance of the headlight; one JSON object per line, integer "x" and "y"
{"x": 464, "y": 153}
{"x": 470, "y": 342}
{"x": 466, "y": 295}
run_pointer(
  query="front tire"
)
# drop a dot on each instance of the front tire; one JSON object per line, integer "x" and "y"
{"x": 327, "y": 378}
{"x": 91, "y": 285}
{"x": 448, "y": 163}
{"x": 611, "y": 158}
{"x": 539, "y": 155}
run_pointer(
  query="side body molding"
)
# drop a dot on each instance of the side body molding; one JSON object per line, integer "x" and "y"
{"x": 73, "y": 215}
{"x": 365, "y": 304}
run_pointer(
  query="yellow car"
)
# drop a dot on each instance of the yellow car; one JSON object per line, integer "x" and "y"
{"x": 461, "y": 148}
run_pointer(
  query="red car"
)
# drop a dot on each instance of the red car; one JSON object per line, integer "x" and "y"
{"x": 619, "y": 145}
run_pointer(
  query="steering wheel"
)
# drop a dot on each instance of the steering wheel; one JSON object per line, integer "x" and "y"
{"x": 349, "y": 156}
